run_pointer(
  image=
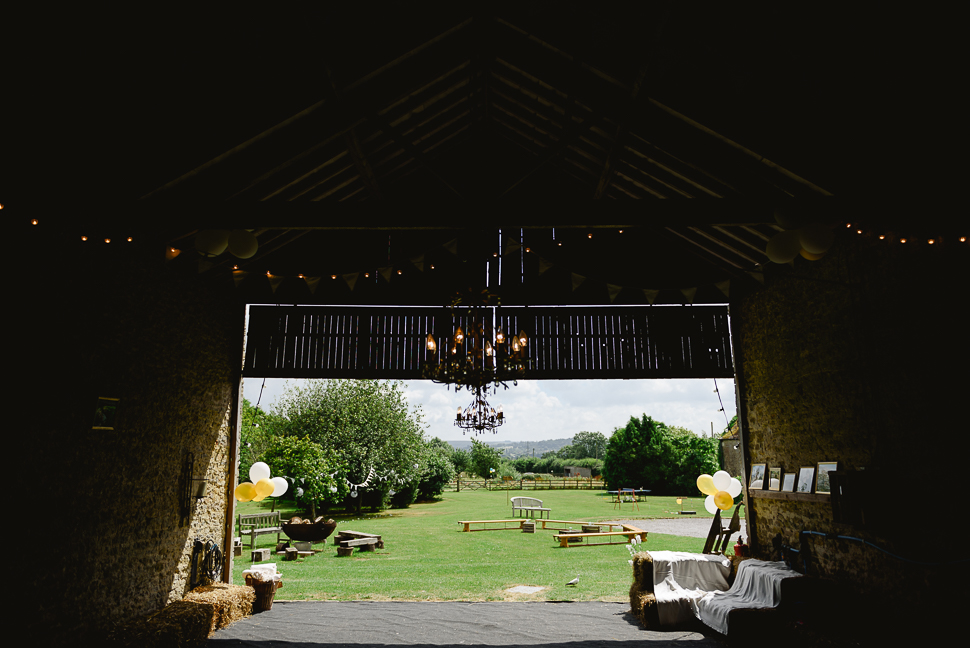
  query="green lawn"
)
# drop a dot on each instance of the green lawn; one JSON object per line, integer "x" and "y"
{"x": 427, "y": 557}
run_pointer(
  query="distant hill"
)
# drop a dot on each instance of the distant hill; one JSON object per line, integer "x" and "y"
{"x": 515, "y": 449}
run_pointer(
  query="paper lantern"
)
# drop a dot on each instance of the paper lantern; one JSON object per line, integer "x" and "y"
{"x": 242, "y": 244}
{"x": 722, "y": 480}
{"x": 816, "y": 238}
{"x": 212, "y": 242}
{"x": 784, "y": 246}
{"x": 705, "y": 484}
{"x": 258, "y": 470}
{"x": 280, "y": 485}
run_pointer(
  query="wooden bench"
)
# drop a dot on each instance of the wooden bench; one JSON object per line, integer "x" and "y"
{"x": 529, "y": 505}
{"x": 518, "y": 522}
{"x": 567, "y": 525}
{"x": 347, "y": 540}
{"x": 585, "y": 539}
{"x": 258, "y": 524}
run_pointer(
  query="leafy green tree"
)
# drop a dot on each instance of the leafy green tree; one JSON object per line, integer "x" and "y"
{"x": 367, "y": 424}
{"x": 311, "y": 470}
{"x": 636, "y": 456}
{"x": 256, "y": 436}
{"x": 589, "y": 444}
{"x": 438, "y": 471}
{"x": 461, "y": 460}
{"x": 484, "y": 457}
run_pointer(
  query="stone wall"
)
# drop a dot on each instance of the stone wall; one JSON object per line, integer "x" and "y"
{"x": 121, "y": 325}
{"x": 860, "y": 358}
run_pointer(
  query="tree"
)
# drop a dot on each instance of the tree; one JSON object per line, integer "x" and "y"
{"x": 635, "y": 457}
{"x": 438, "y": 471}
{"x": 461, "y": 460}
{"x": 367, "y": 424}
{"x": 484, "y": 457}
{"x": 311, "y": 470}
{"x": 256, "y": 436}
{"x": 589, "y": 444}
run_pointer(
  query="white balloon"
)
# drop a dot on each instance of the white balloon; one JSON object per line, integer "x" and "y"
{"x": 784, "y": 246}
{"x": 722, "y": 480}
{"x": 212, "y": 243}
{"x": 281, "y": 486}
{"x": 710, "y": 505}
{"x": 258, "y": 470}
{"x": 735, "y": 488}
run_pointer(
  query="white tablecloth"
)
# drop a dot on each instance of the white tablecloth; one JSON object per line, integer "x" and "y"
{"x": 680, "y": 577}
{"x": 756, "y": 585}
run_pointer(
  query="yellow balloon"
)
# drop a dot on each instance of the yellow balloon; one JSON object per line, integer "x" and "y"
{"x": 245, "y": 492}
{"x": 810, "y": 256}
{"x": 265, "y": 487}
{"x": 705, "y": 484}
{"x": 723, "y": 500}
{"x": 260, "y": 498}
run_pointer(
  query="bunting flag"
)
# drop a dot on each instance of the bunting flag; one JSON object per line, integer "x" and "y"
{"x": 758, "y": 276}
{"x": 513, "y": 247}
{"x": 274, "y": 281}
{"x": 724, "y": 287}
{"x": 689, "y": 294}
{"x": 544, "y": 265}
{"x": 418, "y": 262}
{"x": 238, "y": 276}
{"x": 311, "y": 283}
{"x": 204, "y": 265}
{"x": 577, "y": 280}
{"x": 614, "y": 291}
{"x": 351, "y": 279}
{"x": 452, "y": 246}
{"x": 651, "y": 295}
{"x": 386, "y": 273}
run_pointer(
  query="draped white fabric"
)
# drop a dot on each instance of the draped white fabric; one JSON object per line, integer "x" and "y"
{"x": 756, "y": 585}
{"x": 680, "y": 577}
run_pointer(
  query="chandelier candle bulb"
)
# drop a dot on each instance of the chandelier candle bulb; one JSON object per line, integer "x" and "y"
{"x": 432, "y": 347}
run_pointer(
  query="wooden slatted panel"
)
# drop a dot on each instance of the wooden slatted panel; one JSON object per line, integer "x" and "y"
{"x": 564, "y": 343}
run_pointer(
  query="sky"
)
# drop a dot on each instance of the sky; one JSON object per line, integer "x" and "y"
{"x": 537, "y": 410}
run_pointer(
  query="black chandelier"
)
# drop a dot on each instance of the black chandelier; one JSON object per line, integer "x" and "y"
{"x": 475, "y": 359}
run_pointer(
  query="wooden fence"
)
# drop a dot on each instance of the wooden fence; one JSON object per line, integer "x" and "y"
{"x": 577, "y": 483}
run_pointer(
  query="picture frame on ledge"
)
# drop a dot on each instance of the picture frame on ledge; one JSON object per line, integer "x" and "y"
{"x": 105, "y": 413}
{"x": 774, "y": 478}
{"x": 757, "y": 480}
{"x": 806, "y": 477}
{"x": 788, "y": 483}
{"x": 822, "y": 483}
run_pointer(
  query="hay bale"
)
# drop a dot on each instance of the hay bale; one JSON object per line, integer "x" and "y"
{"x": 229, "y": 603}
{"x": 643, "y": 571}
{"x": 643, "y": 605}
{"x": 181, "y": 624}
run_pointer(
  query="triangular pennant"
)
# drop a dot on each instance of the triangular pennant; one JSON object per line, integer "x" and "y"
{"x": 351, "y": 279}
{"x": 651, "y": 295}
{"x": 386, "y": 273}
{"x": 724, "y": 287}
{"x": 577, "y": 280}
{"x": 204, "y": 265}
{"x": 274, "y": 281}
{"x": 614, "y": 291}
{"x": 451, "y": 246}
{"x": 758, "y": 276}
{"x": 418, "y": 262}
{"x": 544, "y": 265}
{"x": 311, "y": 283}
{"x": 689, "y": 294}
{"x": 238, "y": 276}
{"x": 512, "y": 248}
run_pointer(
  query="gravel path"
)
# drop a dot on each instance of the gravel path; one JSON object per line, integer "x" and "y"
{"x": 686, "y": 526}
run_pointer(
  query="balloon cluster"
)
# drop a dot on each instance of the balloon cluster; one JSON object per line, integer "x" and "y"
{"x": 721, "y": 489}
{"x": 212, "y": 243}
{"x": 262, "y": 485}
{"x": 811, "y": 241}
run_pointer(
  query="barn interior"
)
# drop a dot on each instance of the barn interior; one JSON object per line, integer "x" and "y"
{"x": 616, "y": 155}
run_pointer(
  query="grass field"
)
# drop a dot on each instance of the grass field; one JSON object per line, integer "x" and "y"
{"x": 427, "y": 557}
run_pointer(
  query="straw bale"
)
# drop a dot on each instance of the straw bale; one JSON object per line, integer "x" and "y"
{"x": 643, "y": 605}
{"x": 643, "y": 571}
{"x": 180, "y": 624}
{"x": 229, "y": 603}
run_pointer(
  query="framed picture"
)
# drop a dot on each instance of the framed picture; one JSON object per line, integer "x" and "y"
{"x": 757, "y": 480}
{"x": 774, "y": 478}
{"x": 822, "y": 483}
{"x": 788, "y": 483}
{"x": 806, "y": 475}
{"x": 105, "y": 413}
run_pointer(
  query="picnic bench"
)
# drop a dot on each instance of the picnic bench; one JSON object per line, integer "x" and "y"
{"x": 529, "y": 506}
{"x": 518, "y": 522}
{"x": 347, "y": 540}
{"x": 257, "y": 524}
{"x": 586, "y": 539}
